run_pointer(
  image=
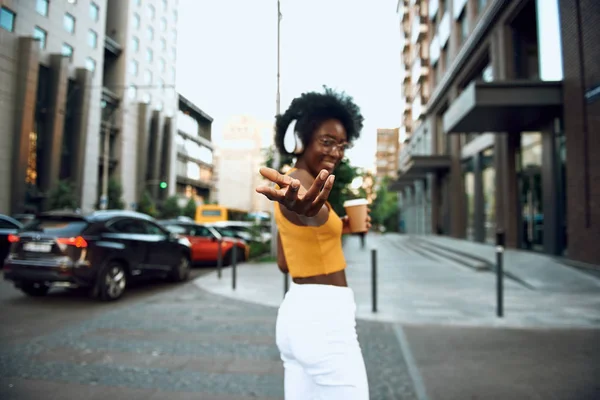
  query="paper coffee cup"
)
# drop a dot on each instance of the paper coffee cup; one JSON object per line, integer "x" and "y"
{"x": 357, "y": 214}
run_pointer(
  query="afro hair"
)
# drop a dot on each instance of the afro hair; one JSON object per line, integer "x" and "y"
{"x": 311, "y": 109}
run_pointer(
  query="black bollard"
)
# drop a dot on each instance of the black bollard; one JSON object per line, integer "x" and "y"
{"x": 286, "y": 283}
{"x": 374, "y": 279}
{"x": 499, "y": 274}
{"x": 220, "y": 258}
{"x": 234, "y": 251}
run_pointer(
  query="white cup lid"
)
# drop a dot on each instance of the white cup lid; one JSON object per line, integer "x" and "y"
{"x": 356, "y": 202}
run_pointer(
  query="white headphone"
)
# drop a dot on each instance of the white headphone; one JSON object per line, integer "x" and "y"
{"x": 291, "y": 140}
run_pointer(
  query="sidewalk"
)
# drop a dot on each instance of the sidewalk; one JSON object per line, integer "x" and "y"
{"x": 418, "y": 288}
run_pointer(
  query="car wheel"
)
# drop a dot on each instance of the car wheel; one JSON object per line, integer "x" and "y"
{"x": 112, "y": 282}
{"x": 35, "y": 289}
{"x": 181, "y": 271}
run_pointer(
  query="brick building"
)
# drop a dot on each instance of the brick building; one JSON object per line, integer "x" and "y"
{"x": 503, "y": 142}
{"x": 388, "y": 150}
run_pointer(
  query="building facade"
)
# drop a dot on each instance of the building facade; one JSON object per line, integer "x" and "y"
{"x": 194, "y": 173}
{"x": 50, "y": 109}
{"x": 386, "y": 157}
{"x": 240, "y": 156}
{"x": 80, "y": 78}
{"x": 504, "y": 142}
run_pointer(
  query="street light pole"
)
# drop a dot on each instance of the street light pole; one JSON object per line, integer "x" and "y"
{"x": 276, "y": 155}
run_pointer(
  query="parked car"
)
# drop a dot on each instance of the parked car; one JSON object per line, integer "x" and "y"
{"x": 205, "y": 242}
{"x": 8, "y": 226}
{"x": 102, "y": 251}
{"x": 248, "y": 231}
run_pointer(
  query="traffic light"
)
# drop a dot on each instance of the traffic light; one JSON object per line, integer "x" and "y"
{"x": 163, "y": 185}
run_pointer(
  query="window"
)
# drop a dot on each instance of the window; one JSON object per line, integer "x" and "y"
{"x": 41, "y": 6}
{"x": 481, "y": 5}
{"x": 173, "y": 53}
{"x": 133, "y": 67}
{"x": 151, "y": 11}
{"x": 172, "y": 76}
{"x": 146, "y": 98}
{"x": 40, "y": 35}
{"x": 174, "y": 16}
{"x": 159, "y": 106}
{"x": 132, "y": 92}
{"x": 464, "y": 27}
{"x": 136, "y": 21}
{"x": 174, "y": 35}
{"x": 149, "y": 55}
{"x": 69, "y": 23}
{"x": 148, "y": 77}
{"x": 94, "y": 12}
{"x": 67, "y": 51}
{"x": 163, "y": 24}
{"x": 163, "y": 44}
{"x": 164, "y": 5}
{"x": 138, "y": 2}
{"x": 162, "y": 66}
{"x": 161, "y": 84}
{"x": 135, "y": 44}
{"x": 7, "y": 19}
{"x": 92, "y": 39}
{"x": 150, "y": 33}
{"x": 90, "y": 64}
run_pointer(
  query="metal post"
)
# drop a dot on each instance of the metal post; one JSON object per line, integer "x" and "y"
{"x": 276, "y": 155}
{"x": 220, "y": 258}
{"x": 286, "y": 283}
{"x": 234, "y": 251}
{"x": 374, "y": 279}
{"x": 499, "y": 274}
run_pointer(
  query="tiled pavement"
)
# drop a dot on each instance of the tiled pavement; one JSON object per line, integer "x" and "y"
{"x": 419, "y": 288}
{"x": 180, "y": 344}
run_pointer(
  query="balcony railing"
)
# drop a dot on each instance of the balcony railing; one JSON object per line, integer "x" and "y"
{"x": 112, "y": 46}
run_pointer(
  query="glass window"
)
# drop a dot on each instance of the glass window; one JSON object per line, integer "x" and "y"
{"x": 164, "y": 5}
{"x": 146, "y": 98}
{"x": 94, "y": 12}
{"x": 135, "y": 44}
{"x": 132, "y": 92}
{"x": 90, "y": 64}
{"x": 133, "y": 67}
{"x": 481, "y": 5}
{"x": 172, "y": 75}
{"x": 69, "y": 23}
{"x": 67, "y": 50}
{"x": 163, "y": 24}
{"x": 138, "y": 2}
{"x": 149, "y": 55}
{"x": 148, "y": 77}
{"x": 136, "y": 21}
{"x": 41, "y": 35}
{"x": 173, "y": 53}
{"x": 464, "y": 27}
{"x": 163, "y": 44}
{"x": 150, "y": 33}
{"x": 159, "y": 106}
{"x": 174, "y": 35}
{"x": 174, "y": 16}
{"x": 41, "y": 6}
{"x": 489, "y": 195}
{"x": 162, "y": 65}
{"x": 7, "y": 19}
{"x": 92, "y": 39}
{"x": 151, "y": 11}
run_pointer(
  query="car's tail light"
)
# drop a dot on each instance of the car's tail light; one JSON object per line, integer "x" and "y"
{"x": 73, "y": 241}
{"x": 13, "y": 238}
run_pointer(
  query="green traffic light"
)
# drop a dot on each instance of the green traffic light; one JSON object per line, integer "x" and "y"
{"x": 163, "y": 185}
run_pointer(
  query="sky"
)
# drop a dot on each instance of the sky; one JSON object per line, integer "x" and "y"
{"x": 227, "y": 59}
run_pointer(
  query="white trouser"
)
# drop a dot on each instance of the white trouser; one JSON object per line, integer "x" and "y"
{"x": 316, "y": 335}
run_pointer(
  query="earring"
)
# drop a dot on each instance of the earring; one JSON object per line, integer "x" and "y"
{"x": 291, "y": 139}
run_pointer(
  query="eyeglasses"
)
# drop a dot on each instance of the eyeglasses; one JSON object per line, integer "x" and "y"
{"x": 329, "y": 144}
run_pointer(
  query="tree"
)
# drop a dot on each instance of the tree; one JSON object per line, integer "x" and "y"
{"x": 190, "y": 208}
{"x": 115, "y": 195}
{"x": 170, "y": 208}
{"x": 344, "y": 175}
{"x": 384, "y": 211}
{"x": 62, "y": 196}
{"x": 146, "y": 205}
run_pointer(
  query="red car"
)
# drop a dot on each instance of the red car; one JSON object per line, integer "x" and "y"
{"x": 205, "y": 242}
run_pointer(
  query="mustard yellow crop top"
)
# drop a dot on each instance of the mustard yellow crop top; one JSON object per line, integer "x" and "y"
{"x": 310, "y": 250}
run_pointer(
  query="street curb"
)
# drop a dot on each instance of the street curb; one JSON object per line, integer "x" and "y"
{"x": 413, "y": 369}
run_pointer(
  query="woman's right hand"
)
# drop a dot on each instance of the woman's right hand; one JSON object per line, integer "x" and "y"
{"x": 293, "y": 196}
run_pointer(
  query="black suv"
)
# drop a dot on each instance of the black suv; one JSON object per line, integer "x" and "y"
{"x": 102, "y": 251}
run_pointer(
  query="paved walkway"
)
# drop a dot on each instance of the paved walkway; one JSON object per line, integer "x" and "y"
{"x": 419, "y": 288}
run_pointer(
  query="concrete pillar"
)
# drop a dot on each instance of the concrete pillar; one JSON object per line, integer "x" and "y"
{"x": 49, "y": 166}
{"x": 479, "y": 200}
{"x": 168, "y": 164}
{"x": 550, "y": 192}
{"x": 25, "y": 103}
{"x": 79, "y": 136}
{"x": 154, "y": 144}
{"x": 142, "y": 149}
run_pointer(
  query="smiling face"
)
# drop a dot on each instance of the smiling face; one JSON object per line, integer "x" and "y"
{"x": 327, "y": 147}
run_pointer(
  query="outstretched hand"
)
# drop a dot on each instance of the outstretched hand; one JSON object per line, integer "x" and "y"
{"x": 293, "y": 196}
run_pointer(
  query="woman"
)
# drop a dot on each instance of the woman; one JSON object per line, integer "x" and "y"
{"x": 316, "y": 327}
